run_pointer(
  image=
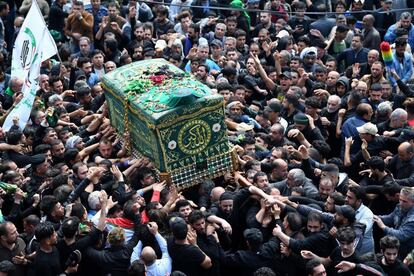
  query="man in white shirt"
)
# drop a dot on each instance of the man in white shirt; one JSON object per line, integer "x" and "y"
{"x": 155, "y": 267}
{"x": 363, "y": 214}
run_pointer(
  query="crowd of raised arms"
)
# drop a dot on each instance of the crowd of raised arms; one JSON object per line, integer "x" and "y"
{"x": 323, "y": 132}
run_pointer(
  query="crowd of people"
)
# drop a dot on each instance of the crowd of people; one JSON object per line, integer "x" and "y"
{"x": 321, "y": 127}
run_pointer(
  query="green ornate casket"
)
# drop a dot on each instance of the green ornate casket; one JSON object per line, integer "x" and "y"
{"x": 174, "y": 120}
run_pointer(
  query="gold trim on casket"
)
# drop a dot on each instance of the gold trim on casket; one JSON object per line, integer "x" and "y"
{"x": 188, "y": 142}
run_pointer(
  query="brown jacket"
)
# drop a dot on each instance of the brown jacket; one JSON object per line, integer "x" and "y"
{"x": 369, "y": 80}
{"x": 84, "y": 26}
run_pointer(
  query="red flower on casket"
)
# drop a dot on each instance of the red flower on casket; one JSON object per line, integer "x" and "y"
{"x": 158, "y": 79}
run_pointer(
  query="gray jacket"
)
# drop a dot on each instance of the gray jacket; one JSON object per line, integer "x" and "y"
{"x": 310, "y": 189}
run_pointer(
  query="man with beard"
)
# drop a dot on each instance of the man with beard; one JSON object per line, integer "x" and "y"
{"x": 191, "y": 38}
{"x": 399, "y": 222}
{"x": 344, "y": 216}
{"x": 296, "y": 178}
{"x": 326, "y": 188}
{"x": 308, "y": 55}
{"x": 376, "y": 76}
{"x": 229, "y": 209}
{"x": 331, "y": 80}
{"x": 202, "y": 75}
{"x": 300, "y": 23}
{"x": 80, "y": 172}
{"x": 12, "y": 247}
{"x": 79, "y": 23}
{"x": 112, "y": 23}
{"x": 161, "y": 23}
{"x": 389, "y": 261}
{"x": 326, "y": 198}
{"x": 401, "y": 61}
{"x": 361, "y": 69}
{"x": 404, "y": 22}
{"x": 276, "y": 136}
{"x": 363, "y": 214}
{"x": 107, "y": 151}
{"x": 265, "y": 23}
{"x": 290, "y": 104}
{"x": 372, "y": 38}
{"x": 344, "y": 259}
{"x": 317, "y": 238}
{"x": 329, "y": 115}
{"x": 85, "y": 66}
{"x": 355, "y": 54}
{"x": 84, "y": 48}
{"x": 231, "y": 54}
{"x": 58, "y": 151}
{"x": 279, "y": 170}
{"x": 375, "y": 96}
{"x": 207, "y": 240}
{"x": 47, "y": 257}
{"x": 138, "y": 37}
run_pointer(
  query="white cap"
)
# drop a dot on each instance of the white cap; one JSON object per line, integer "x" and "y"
{"x": 368, "y": 128}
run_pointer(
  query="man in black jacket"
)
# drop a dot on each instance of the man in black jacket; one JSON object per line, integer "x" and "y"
{"x": 57, "y": 16}
{"x": 402, "y": 165}
{"x": 207, "y": 239}
{"x": 389, "y": 261}
{"x": 73, "y": 240}
{"x": 256, "y": 256}
{"x": 317, "y": 238}
{"x": 115, "y": 260}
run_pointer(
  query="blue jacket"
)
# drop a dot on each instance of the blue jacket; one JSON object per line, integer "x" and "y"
{"x": 404, "y": 69}
{"x": 400, "y": 224}
{"x": 209, "y": 62}
{"x": 92, "y": 80}
{"x": 390, "y": 36}
{"x": 350, "y": 56}
{"x": 349, "y": 129}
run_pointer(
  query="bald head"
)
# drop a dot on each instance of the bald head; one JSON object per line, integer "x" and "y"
{"x": 368, "y": 20}
{"x": 215, "y": 194}
{"x": 333, "y": 77}
{"x": 373, "y": 56}
{"x": 365, "y": 111}
{"x": 148, "y": 255}
{"x": 279, "y": 162}
{"x": 406, "y": 146}
{"x": 405, "y": 152}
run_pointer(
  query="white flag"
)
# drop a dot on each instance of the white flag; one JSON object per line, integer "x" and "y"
{"x": 30, "y": 86}
{"x": 33, "y": 45}
{"x": 30, "y": 41}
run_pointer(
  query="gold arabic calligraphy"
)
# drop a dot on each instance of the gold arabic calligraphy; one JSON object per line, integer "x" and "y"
{"x": 194, "y": 137}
